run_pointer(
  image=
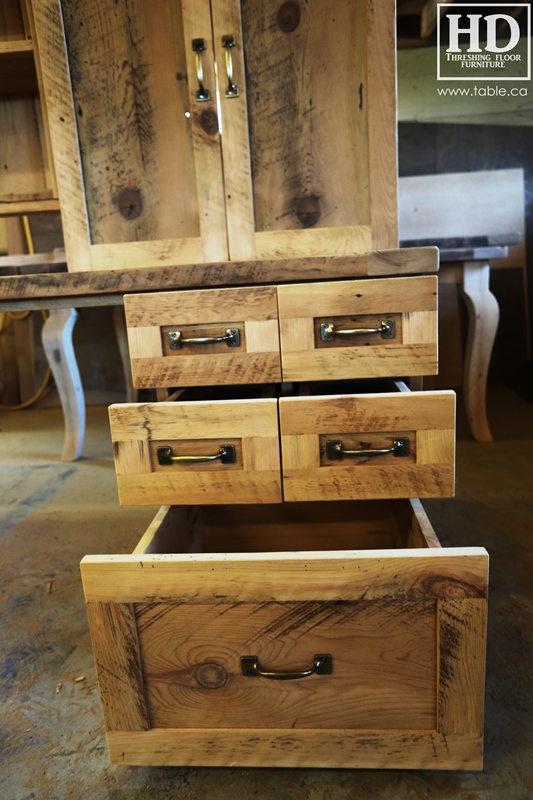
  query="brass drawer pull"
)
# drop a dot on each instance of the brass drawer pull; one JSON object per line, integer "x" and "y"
{"x": 231, "y": 90}
{"x": 336, "y": 452}
{"x": 387, "y": 330}
{"x": 198, "y": 46}
{"x": 323, "y": 666}
{"x": 226, "y": 454}
{"x": 232, "y": 337}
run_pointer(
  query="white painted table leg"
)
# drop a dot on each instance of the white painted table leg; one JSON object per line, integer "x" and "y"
{"x": 57, "y": 343}
{"x": 483, "y": 317}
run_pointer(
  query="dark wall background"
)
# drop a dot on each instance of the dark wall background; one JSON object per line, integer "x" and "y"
{"x": 426, "y": 149}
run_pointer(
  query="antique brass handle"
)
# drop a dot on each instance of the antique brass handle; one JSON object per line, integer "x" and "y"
{"x": 231, "y": 90}
{"x": 198, "y": 46}
{"x": 328, "y": 332}
{"x": 336, "y": 452}
{"x": 226, "y": 454}
{"x": 323, "y": 665}
{"x": 232, "y": 337}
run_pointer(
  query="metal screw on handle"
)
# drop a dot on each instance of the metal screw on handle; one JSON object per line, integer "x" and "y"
{"x": 226, "y": 455}
{"x": 231, "y": 90}
{"x": 336, "y": 452}
{"x": 323, "y": 665}
{"x": 328, "y": 332}
{"x": 232, "y": 337}
{"x": 198, "y": 46}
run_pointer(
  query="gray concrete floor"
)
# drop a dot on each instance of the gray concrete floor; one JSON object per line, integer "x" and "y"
{"x": 52, "y": 742}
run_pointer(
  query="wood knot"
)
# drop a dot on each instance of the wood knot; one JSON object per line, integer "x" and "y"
{"x": 130, "y": 204}
{"x": 289, "y": 17}
{"x": 209, "y": 122}
{"x": 210, "y": 676}
{"x": 308, "y": 211}
{"x": 448, "y": 588}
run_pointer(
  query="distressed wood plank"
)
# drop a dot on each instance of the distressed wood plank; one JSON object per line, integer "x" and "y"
{"x": 62, "y": 122}
{"x": 118, "y": 666}
{"x": 388, "y": 262}
{"x": 285, "y": 576}
{"x": 399, "y": 642}
{"x": 382, "y": 136}
{"x": 310, "y": 179}
{"x": 256, "y": 748}
{"x": 462, "y": 646}
{"x": 359, "y": 305}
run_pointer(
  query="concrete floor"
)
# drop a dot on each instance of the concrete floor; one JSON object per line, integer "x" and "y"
{"x": 52, "y": 743}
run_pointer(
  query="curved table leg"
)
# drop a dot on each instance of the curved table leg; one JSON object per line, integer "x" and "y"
{"x": 57, "y": 343}
{"x": 483, "y": 316}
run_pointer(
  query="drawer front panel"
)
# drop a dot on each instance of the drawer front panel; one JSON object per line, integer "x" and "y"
{"x": 405, "y": 630}
{"x": 173, "y": 337}
{"x": 393, "y": 324}
{"x": 193, "y": 671}
{"x": 350, "y": 447}
{"x": 151, "y": 439}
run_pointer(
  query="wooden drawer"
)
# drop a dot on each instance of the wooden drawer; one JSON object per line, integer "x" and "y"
{"x": 144, "y": 433}
{"x": 167, "y": 332}
{"x": 309, "y": 469}
{"x": 395, "y": 320}
{"x": 401, "y": 620}
{"x": 246, "y": 317}
{"x": 329, "y": 443}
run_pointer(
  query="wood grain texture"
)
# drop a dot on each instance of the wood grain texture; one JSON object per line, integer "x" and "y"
{"x": 364, "y": 422}
{"x": 411, "y": 303}
{"x": 369, "y": 525}
{"x": 21, "y": 152}
{"x": 56, "y": 83}
{"x": 252, "y": 311}
{"x": 284, "y": 576}
{"x": 238, "y": 198}
{"x": 462, "y": 647}
{"x": 386, "y": 262}
{"x": 252, "y": 748}
{"x": 415, "y": 617}
{"x": 209, "y": 305}
{"x": 175, "y": 529}
{"x": 382, "y": 137}
{"x": 364, "y": 639}
{"x": 197, "y": 428}
{"x": 319, "y": 242}
{"x": 118, "y": 666}
{"x": 205, "y": 131}
{"x": 134, "y": 139}
{"x": 308, "y": 130}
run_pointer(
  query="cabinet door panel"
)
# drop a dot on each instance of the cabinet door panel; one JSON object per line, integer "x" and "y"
{"x": 146, "y": 149}
{"x": 312, "y": 122}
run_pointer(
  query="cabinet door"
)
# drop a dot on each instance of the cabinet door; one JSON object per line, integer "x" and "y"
{"x": 309, "y": 143}
{"x": 139, "y": 152}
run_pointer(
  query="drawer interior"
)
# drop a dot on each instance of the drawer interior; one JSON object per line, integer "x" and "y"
{"x": 345, "y": 525}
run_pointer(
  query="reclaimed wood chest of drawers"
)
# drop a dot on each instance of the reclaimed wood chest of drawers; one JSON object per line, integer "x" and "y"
{"x": 290, "y": 605}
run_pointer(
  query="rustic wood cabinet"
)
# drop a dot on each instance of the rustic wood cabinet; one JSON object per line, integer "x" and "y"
{"x": 27, "y": 178}
{"x": 289, "y": 605}
{"x": 206, "y": 131}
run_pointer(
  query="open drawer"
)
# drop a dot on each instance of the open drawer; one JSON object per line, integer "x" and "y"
{"x": 313, "y": 634}
{"x": 339, "y": 442}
